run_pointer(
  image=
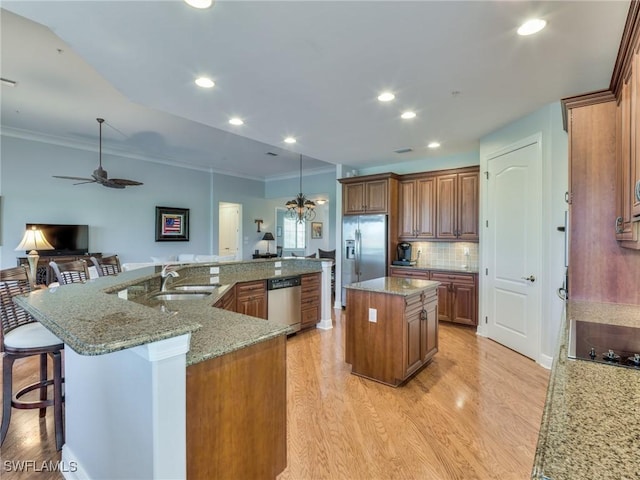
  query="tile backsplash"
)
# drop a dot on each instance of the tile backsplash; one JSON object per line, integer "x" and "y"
{"x": 446, "y": 254}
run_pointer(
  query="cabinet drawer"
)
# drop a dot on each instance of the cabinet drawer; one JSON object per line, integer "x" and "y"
{"x": 310, "y": 315}
{"x": 249, "y": 289}
{"x": 410, "y": 273}
{"x": 453, "y": 277}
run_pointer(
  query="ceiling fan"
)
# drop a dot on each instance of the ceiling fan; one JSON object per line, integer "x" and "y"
{"x": 99, "y": 175}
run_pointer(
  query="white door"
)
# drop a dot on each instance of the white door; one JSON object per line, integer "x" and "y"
{"x": 229, "y": 229}
{"x": 513, "y": 253}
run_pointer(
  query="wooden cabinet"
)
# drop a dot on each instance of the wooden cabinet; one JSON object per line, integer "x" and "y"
{"x": 417, "y": 208}
{"x": 457, "y": 297}
{"x": 310, "y": 300}
{"x": 402, "y": 339}
{"x": 236, "y": 414}
{"x": 421, "y": 313}
{"x": 457, "y": 205}
{"x": 628, "y": 159}
{"x": 440, "y": 205}
{"x": 251, "y": 299}
{"x": 369, "y": 194}
{"x": 227, "y": 301}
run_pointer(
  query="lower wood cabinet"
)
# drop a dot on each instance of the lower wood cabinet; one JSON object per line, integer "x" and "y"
{"x": 227, "y": 301}
{"x": 403, "y": 338}
{"x": 237, "y": 414}
{"x": 409, "y": 272}
{"x": 310, "y": 300}
{"x": 457, "y": 297}
{"x": 251, "y": 298}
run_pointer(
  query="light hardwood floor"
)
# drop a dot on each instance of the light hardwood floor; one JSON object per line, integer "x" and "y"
{"x": 473, "y": 413}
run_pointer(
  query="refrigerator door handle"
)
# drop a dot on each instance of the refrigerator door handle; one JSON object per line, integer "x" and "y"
{"x": 357, "y": 254}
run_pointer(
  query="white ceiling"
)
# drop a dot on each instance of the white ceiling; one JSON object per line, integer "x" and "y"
{"x": 311, "y": 69}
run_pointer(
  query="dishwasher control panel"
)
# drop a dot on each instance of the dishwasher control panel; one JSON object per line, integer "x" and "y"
{"x": 283, "y": 282}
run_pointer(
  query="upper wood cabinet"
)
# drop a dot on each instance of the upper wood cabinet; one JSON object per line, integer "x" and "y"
{"x": 369, "y": 194}
{"x": 440, "y": 205}
{"x": 417, "y": 208}
{"x": 458, "y": 197}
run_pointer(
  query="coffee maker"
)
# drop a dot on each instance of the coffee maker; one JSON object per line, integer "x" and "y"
{"x": 404, "y": 255}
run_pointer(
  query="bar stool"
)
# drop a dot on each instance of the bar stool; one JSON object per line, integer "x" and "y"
{"x": 76, "y": 271}
{"x": 108, "y": 265}
{"x": 23, "y": 336}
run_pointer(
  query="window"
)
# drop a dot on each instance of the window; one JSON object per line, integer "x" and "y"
{"x": 294, "y": 233}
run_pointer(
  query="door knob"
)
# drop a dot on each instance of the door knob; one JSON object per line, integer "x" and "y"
{"x": 531, "y": 278}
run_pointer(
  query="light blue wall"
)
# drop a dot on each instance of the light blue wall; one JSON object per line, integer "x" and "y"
{"x": 468, "y": 159}
{"x": 548, "y": 122}
{"x": 121, "y": 221}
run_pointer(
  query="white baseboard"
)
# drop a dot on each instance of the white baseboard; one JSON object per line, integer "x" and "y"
{"x": 545, "y": 361}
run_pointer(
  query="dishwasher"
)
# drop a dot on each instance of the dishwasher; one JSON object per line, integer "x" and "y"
{"x": 283, "y": 303}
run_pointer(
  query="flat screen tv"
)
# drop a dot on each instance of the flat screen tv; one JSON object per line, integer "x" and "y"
{"x": 66, "y": 239}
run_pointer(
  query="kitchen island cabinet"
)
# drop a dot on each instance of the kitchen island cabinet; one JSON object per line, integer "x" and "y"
{"x": 392, "y": 328}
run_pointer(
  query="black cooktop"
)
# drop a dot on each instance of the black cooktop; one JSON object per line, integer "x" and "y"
{"x": 614, "y": 345}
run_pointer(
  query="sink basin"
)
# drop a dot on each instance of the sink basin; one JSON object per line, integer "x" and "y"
{"x": 197, "y": 288}
{"x": 180, "y": 295}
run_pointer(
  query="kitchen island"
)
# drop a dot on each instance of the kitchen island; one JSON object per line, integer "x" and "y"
{"x": 171, "y": 389}
{"x": 391, "y": 327}
{"x": 591, "y": 422}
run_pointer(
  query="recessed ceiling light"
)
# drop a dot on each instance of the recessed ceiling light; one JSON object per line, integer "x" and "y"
{"x": 433, "y": 145}
{"x": 199, "y": 3}
{"x": 236, "y": 121}
{"x": 408, "y": 115}
{"x": 204, "y": 82}
{"x": 531, "y": 26}
{"x": 386, "y": 97}
{"x": 289, "y": 140}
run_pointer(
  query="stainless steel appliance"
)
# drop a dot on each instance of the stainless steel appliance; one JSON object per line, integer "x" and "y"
{"x": 615, "y": 345}
{"x": 284, "y": 295}
{"x": 364, "y": 251}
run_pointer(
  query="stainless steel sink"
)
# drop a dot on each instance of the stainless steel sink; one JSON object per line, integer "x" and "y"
{"x": 179, "y": 295}
{"x": 197, "y": 288}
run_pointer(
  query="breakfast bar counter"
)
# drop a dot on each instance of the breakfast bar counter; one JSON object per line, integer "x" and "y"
{"x": 171, "y": 387}
{"x": 591, "y": 422}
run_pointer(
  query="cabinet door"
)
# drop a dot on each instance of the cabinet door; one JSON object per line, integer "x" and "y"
{"x": 406, "y": 214}
{"x": 353, "y": 198}
{"x": 251, "y": 299}
{"x": 447, "y": 194}
{"x": 635, "y": 139}
{"x": 425, "y": 208}
{"x": 376, "y": 196}
{"x": 625, "y": 152}
{"x": 415, "y": 341}
{"x": 430, "y": 331}
{"x": 468, "y": 199}
{"x": 464, "y": 304}
{"x": 444, "y": 300}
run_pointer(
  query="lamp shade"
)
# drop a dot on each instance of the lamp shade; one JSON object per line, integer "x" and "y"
{"x": 268, "y": 236}
{"x": 34, "y": 239}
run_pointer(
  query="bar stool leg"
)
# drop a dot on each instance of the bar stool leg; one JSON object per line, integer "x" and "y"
{"x": 7, "y": 381}
{"x": 43, "y": 382}
{"x": 57, "y": 399}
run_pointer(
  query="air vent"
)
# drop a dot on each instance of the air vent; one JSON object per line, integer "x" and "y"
{"x": 272, "y": 154}
{"x": 404, "y": 150}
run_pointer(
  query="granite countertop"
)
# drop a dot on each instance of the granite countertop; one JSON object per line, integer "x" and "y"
{"x": 395, "y": 285}
{"x": 92, "y": 319}
{"x": 440, "y": 267}
{"x": 591, "y": 422}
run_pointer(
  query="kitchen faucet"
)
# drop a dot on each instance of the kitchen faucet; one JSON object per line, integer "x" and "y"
{"x": 165, "y": 274}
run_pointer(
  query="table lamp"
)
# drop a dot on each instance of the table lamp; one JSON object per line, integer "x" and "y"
{"x": 33, "y": 241}
{"x": 268, "y": 236}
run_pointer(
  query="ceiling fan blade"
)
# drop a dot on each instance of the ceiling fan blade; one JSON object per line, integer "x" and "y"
{"x": 111, "y": 184}
{"x": 124, "y": 182}
{"x": 75, "y": 178}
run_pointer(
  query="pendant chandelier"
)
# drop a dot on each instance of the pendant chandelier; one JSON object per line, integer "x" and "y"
{"x": 300, "y": 208}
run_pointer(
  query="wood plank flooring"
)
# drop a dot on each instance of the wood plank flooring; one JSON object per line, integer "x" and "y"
{"x": 473, "y": 413}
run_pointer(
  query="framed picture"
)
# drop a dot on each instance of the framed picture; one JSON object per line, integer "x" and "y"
{"x": 316, "y": 230}
{"x": 172, "y": 224}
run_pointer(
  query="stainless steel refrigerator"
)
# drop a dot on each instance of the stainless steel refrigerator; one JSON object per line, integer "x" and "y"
{"x": 364, "y": 249}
